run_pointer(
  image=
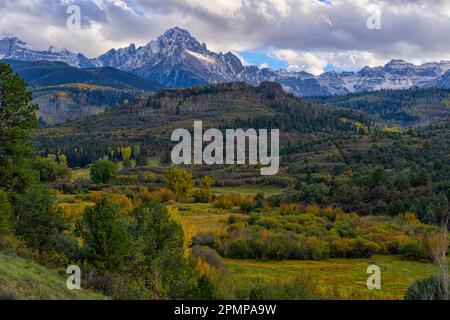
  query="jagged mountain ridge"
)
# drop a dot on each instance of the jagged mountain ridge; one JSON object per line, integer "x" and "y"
{"x": 12, "y": 48}
{"x": 177, "y": 59}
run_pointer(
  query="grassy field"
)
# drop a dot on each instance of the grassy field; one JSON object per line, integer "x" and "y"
{"x": 248, "y": 190}
{"x": 83, "y": 173}
{"x": 203, "y": 218}
{"x": 346, "y": 276}
{"x": 23, "y": 279}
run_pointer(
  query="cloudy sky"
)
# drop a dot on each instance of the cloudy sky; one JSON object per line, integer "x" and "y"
{"x": 314, "y": 35}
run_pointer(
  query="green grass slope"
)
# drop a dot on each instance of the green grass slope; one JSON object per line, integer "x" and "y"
{"x": 26, "y": 280}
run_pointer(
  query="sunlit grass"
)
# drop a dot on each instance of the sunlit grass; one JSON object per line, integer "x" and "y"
{"x": 347, "y": 276}
{"x": 28, "y": 280}
{"x": 248, "y": 190}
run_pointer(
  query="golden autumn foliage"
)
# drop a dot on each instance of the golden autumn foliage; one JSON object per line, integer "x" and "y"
{"x": 188, "y": 229}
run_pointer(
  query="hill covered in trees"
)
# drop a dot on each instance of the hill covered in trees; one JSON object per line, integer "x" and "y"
{"x": 46, "y": 74}
{"x": 149, "y": 122}
{"x": 67, "y": 93}
{"x": 329, "y": 155}
{"x": 408, "y": 108}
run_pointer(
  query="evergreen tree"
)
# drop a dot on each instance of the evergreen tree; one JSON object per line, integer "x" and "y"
{"x": 17, "y": 119}
{"x": 38, "y": 217}
{"x": 159, "y": 250}
{"x": 106, "y": 236}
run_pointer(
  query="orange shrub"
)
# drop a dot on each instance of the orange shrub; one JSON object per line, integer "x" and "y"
{"x": 95, "y": 196}
{"x": 161, "y": 195}
{"x": 228, "y": 201}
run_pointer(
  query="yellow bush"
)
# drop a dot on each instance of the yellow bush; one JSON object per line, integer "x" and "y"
{"x": 289, "y": 208}
{"x": 123, "y": 201}
{"x": 72, "y": 212}
{"x": 229, "y": 200}
{"x": 312, "y": 208}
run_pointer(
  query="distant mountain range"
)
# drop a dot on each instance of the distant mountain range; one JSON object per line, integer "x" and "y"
{"x": 176, "y": 59}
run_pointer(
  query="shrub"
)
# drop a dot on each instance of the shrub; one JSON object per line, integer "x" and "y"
{"x": 411, "y": 250}
{"x": 246, "y": 206}
{"x": 103, "y": 171}
{"x": 9, "y": 244}
{"x": 130, "y": 179}
{"x": 209, "y": 255}
{"x": 204, "y": 289}
{"x": 161, "y": 195}
{"x": 228, "y": 201}
{"x": 204, "y": 194}
{"x": 64, "y": 243}
{"x": 353, "y": 248}
{"x": 239, "y": 249}
{"x": 223, "y": 202}
{"x": 316, "y": 249}
{"x": 123, "y": 201}
{"x": 51, "y": 170}
{"x": 5, "y": 214}
{"x": 280, "y": 247}
{"x": 275, "y": 200}
{"x": 47, "y": 168}
{"x": 426, "y": 289}
{"x": 288, "y": 208}
{"x": 179, "y": 181}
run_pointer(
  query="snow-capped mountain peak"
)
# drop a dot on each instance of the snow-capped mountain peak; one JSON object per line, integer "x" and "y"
{"x": 177, "y": 59}
{"x": 15, "y": 49}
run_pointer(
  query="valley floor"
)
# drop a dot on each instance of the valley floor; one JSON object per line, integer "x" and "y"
{"x": 346, "y": 276}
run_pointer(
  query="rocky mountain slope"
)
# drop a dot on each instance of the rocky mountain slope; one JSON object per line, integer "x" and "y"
{"x": 13, "y": 48}
{"x": 177, "y": 59}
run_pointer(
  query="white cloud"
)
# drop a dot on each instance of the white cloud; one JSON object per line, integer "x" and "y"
{"x": 300, "y": 60}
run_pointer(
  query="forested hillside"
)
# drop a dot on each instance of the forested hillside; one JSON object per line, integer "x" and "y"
{"x": 408, "y": 108}
{"x": 150, "y": 121}
{"x": 330, "y": 156}
{"x": 67, "y": 93}
{"x": 46, "y": 74}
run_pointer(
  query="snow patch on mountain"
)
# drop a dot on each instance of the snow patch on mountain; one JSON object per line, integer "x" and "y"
{"x": 201, "y": 57}
{"x": 177, "y": 59}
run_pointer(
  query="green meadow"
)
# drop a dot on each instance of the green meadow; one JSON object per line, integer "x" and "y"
{"x": 347, "y": 277}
